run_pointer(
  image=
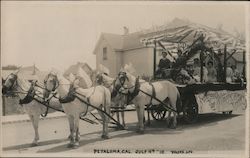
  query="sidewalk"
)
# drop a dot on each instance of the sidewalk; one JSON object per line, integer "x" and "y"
{"x": 25, "y": 118}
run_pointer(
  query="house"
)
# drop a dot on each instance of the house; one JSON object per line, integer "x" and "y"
{"x": 114, "y": 51}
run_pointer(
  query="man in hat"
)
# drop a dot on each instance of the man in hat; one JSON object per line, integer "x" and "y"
{"x": 164, "y": 64}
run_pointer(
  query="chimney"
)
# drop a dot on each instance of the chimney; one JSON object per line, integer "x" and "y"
{"x": 126, "y": 30}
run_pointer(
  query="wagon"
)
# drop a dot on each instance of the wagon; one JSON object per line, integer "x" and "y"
{"x": 198, "y": 42}
{"x": 190, "y": 108}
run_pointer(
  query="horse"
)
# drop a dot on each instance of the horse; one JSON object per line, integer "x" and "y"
{"x": 26, "y": 92}
{"x": 76, "y": 101}
{"x": 117, "y": 100}
{"x": 144, "y": 93}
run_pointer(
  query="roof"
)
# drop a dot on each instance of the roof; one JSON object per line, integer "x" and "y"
{"x": 179, "y": 31}
{"x": 122, "y": 42}
{"x": 116, "y": 41}
{"x": 74, "y": 68}
{"x": 176, "y": 32}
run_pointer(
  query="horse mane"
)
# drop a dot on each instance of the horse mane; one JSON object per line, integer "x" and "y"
{"x": 23, "y": 83}
{"x": 108, "y": 80}
{"x": 84, "y": 79}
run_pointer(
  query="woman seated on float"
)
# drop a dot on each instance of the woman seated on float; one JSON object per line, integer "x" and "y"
{"x": 197, "y": 71}
{"x": 212, "y": 73}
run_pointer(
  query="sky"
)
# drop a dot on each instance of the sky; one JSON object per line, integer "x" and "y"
{"x": 61, "y": 33}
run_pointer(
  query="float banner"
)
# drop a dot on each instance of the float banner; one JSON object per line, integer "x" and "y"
{"x": 221, "y": 101}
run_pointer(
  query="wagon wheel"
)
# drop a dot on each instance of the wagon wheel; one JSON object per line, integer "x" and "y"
{"x": 190, "y": 111}
{"x": 158, "y": 113}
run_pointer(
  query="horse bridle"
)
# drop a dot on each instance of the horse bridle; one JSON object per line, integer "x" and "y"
{"x": 15, "y": 83}
{"x": 122, "y": 77}
{"x": 55, "y": 82}
{"x": 12, "y": 80}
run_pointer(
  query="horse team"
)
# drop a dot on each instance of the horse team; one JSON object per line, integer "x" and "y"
{"x": 74, "y": 98}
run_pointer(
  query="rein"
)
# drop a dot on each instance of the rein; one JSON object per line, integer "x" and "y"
{"x": 137, "y": 90}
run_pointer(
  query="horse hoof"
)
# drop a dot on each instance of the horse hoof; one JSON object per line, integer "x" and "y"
{"x": 125, "y": 127}
{"x": 140, "y": 131}
{"x": 105, "y": 137}
{"x": 70, "y": 145}
{"x": 173, "y": 127}
{"x": 76, "y": 145}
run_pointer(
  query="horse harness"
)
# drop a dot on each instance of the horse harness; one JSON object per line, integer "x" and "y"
{"x": 29, "y": 97}
{"x": 132, "y": 95}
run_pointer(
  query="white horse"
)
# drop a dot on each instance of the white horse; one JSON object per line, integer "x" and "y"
{"x": 74, "y": 99}
{"x": 26, "y": 92}
{"x": 117, "y": 100}
{"x": 164, "y": 91}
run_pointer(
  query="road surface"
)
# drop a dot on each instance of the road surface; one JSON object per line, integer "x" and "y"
{"x": 213, "y": 132}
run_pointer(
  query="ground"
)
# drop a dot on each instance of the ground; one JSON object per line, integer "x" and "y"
{"x": 212, "y": 133}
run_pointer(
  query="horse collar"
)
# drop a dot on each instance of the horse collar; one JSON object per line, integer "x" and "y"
{"x": 29, "y": 97}
{"x": 132, "y": 95}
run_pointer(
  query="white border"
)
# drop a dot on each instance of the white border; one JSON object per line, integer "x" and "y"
{"x": 209, "y": 153}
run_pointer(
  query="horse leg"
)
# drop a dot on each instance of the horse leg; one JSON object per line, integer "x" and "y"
{"x": 118, "y": 114}
{"x": 35, "y": 119}
{"x": 103, "y": 124}
{"x": 168, "y": 118}
{"x": 123, "y": 120}
{"x": 175, "y": 120}
{"x": 76, "y": 132}
{"x": 175, "y": 114}
{"x": 148, "y": 116}
{"x": 140, "y": 118}
{"x": 71, "y": 126}
{"x": 106, "y": 118}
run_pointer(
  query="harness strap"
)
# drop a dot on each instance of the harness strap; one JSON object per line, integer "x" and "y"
{"x": 46, "y": 112}
{"x": 136, "y": 91}
{"x": 29, "y": 97}
{"x": 85, "y": 113}
{"x": 69, "y": 97}
{"x": 153, "y": 93}
{"x": 164, "y": 104}
{"x": 104, "y": 112}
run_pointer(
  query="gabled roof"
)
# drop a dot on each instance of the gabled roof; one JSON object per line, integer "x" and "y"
{"x": 179, "y": 31}
{"x": 115, "y": 40}
{"x": 74, "y": 68}
{"x": 122, "y": 42}
{"x": 172, "y": 34}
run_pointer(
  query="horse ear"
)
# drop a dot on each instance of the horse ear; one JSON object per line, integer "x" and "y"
{"x": 3, "y": 81}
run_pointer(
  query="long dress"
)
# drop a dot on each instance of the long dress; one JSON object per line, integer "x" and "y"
{"x": 212, "y": 74}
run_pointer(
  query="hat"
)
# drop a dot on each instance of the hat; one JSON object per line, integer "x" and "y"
{"x": 163, "y": 52}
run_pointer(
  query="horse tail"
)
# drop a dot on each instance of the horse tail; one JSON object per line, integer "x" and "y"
{"x": 178, "y": 101}
{"x": 106, "y": 102}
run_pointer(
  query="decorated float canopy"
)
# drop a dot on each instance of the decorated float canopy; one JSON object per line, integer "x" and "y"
{"x": 181, "y": 34}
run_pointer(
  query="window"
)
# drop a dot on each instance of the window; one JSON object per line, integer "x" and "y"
{"x": 105, "y": 53}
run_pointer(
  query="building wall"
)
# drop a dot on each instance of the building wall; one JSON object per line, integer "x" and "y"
{"x": 141, "y": 59}
{"x": 110, "y": 63}
{"x": 119, "y": 61}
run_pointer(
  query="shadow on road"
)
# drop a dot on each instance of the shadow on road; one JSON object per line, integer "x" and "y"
{"x": 156, "y": 127}
{"x": 83, "y": 142}
{"x": 24, "y": 146}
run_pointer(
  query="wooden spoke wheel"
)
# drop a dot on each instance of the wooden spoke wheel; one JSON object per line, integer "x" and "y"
{"x": 190, "y": 111}
{"x": 158, "y": 113}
